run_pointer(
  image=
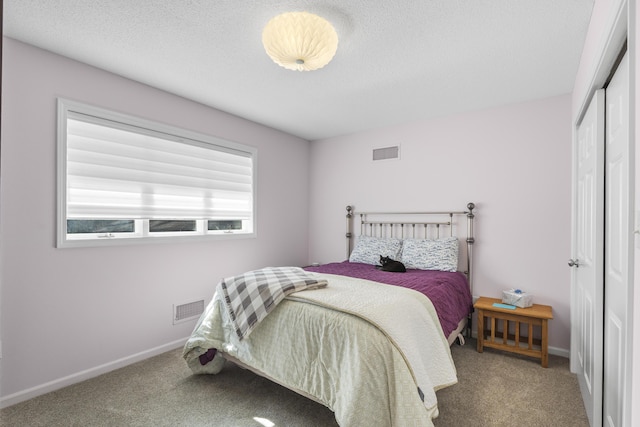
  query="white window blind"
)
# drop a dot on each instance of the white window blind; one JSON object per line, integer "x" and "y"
{"x": 119, "y": 171}
{"x": 111, "y": 168}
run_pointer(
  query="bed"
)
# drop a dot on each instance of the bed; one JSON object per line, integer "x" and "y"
{"x": 372, "y": 346}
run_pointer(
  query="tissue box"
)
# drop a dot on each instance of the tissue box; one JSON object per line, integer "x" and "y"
{"x": 517, "y": 297}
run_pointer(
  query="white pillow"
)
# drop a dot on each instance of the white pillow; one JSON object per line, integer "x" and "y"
{"x": 368, "y": 249}
{"x": 431, "y": 254}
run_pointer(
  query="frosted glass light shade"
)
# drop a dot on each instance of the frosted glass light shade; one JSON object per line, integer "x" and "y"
{"x": 300, "y": 41}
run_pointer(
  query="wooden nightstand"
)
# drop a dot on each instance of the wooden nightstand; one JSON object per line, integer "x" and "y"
{"x": 490, "y": 335}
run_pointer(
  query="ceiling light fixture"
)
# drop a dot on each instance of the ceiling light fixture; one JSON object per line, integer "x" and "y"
{"x": 300, "y": 41}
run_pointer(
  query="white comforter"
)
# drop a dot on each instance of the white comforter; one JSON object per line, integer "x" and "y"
{"x": 370, "y": 366}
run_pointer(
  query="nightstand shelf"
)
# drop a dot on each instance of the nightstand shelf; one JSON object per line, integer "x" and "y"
{"x": 497, "y": 331}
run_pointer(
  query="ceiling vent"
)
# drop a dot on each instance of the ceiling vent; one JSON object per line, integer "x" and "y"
{"x": 386, "y": 153}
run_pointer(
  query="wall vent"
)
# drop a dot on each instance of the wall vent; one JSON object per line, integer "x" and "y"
{"x": 188, "y": 311}
{"x": 386, "y": 153}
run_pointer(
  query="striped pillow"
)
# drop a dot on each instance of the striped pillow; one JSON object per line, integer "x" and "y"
{"x": 431, "y": 254}
{"x": 368, "y": 249}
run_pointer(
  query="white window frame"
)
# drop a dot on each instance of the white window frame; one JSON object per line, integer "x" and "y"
{"x": 141, "y": 235}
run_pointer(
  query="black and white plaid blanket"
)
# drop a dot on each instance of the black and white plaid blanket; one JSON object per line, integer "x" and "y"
{"x": 251, "y": 296}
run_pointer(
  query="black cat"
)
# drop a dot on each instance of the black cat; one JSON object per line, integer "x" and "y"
{"x": 391, "y": 265}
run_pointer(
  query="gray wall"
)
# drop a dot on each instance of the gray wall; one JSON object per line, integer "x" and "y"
{"x": 514, "y": 162}
{"x": 67, "y": 314}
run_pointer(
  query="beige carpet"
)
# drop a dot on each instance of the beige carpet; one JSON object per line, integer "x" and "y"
{"x": 494, "y": 389}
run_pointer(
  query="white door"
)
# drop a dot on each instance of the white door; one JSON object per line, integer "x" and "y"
{"x": 588, "y": 257}
{"x": 618, "y": 248}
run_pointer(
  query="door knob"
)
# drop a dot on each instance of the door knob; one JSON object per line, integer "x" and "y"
{"x": 574, "y": 263}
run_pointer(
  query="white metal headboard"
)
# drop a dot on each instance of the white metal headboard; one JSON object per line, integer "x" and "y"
{"x": 414, "y": 225}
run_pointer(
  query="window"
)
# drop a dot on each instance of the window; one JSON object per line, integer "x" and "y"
{"x": 123, "y": 179}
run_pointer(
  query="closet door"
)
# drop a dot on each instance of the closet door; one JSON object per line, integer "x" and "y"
{"x": 618, "y": 249}
{"x": 588, "y": 258}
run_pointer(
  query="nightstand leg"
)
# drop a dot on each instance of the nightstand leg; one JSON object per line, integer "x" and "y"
{"x": 544, "y": 345}
{"x": 480, "y": 330}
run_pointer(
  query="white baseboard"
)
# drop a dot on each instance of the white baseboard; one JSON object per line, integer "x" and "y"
{"x": 559, "y": 352}
{"x": 50, "y": 386}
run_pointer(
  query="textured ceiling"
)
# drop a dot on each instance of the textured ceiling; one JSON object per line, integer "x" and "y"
{"x": 397, "y": 61}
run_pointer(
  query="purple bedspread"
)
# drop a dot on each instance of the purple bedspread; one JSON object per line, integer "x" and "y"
{"x": 449, "y": 292}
